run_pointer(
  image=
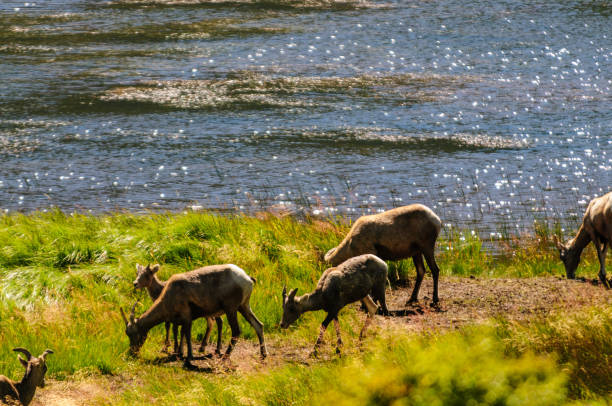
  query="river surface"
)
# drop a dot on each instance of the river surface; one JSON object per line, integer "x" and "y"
{"x": 490, "y": 112}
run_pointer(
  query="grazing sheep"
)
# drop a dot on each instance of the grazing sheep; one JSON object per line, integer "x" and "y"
{"x": 205, "y": 292}
{"x": 146, "y": 278}
{"x": 597, "y": 227}
{"x": 403, "y": 232}
{"x": 23, "y": 391}
{"x": 353, "y": 280}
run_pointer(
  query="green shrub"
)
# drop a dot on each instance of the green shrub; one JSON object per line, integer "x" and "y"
{"x": 452, "y": 369}
{"x": 581, "y": 342}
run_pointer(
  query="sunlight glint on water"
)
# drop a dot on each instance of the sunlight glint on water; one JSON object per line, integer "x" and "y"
{"x": 490, "y": 113}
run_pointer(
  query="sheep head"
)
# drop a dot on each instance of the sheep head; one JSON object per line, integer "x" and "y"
{"x": 35, "y": 367}
{"x": 329, "y": 254}
{"x": 345, "y": 250}
{"x": 291, "y": 309}
{"x": 136, "y": 338}
{"x": 568, "y": 257}
{"x": 145, "y": 275}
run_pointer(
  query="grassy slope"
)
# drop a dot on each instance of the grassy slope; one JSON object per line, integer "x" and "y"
{"x": 64, "y": 276}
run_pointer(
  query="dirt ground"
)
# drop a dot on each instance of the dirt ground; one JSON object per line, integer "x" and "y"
{"x": 463, "y": 301}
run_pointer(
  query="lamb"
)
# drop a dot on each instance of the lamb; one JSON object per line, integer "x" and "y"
{"x": 205, "y": 292}
{"x": 597, "y": 227}
{"x": 23, "y": 391}
{"x": 353, "y": 280}
{"x": 146, "y": 278}
{"x": 403, "y": 232}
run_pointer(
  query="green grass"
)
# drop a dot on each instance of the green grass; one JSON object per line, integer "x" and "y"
{"x": 64, "y": 276}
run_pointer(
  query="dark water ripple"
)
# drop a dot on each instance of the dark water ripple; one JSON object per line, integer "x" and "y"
{"x": 490, "y": 112}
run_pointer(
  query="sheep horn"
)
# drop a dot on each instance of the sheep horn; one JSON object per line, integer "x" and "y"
{"x": 24, "y": 351}
{"x": 558, "y": 244}
{"x": 45, "y": 353}
{"x": 123, "y": 315}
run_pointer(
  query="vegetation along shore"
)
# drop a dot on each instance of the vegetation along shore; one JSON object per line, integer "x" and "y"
{"x": 510, "y": 329}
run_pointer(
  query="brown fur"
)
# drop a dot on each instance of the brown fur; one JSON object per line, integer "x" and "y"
{"x": 597, "y": 227}
{"x": 205, "y": 292}
{"x": 146, "y": 278}
{"x": 353, "y": 280}
{"x": 404, "y": 232}
{"x": 22, "y": 392}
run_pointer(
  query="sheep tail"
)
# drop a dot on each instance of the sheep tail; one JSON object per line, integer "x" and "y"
{"x": 253, "y": 279}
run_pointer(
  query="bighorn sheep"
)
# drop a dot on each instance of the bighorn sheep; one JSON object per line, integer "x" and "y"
{"x": 23, "y": 391}
{"x": 403, "y": 232}
{"x": 353, "y": 280}
{"x": 597, "y": 227}
{"x": 146, "y": 278}
{"x": 205, "y": 292}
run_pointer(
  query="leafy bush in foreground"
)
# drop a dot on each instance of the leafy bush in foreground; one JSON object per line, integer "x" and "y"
{"x": 452, "y": 369}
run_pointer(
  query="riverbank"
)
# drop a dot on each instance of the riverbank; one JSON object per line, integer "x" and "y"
{"x": 510, "y": 329}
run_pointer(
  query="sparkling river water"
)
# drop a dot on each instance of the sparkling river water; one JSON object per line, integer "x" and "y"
{"x": 489, "y": 112}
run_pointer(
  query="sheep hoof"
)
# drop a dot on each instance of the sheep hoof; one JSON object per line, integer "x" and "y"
{"x": 314, "y": 354}
{"x": 338, "y": 351}
{"x": 188, "y": 365}
{"x": 173, "y": 357}
{"x": 436, "y": 307}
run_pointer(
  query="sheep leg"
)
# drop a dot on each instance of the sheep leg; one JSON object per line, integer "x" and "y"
{"x": 601, "y": 254}
{"x": 371, "y": 306}
{"x": 186, "y": 331}
{"x": 232, "y": 319}
{"x": 435, "y": 273}
{"x": 205, "y": 340}
{"x": 180, "y": 343}
{"x": 219, "y": 321}
{"x": 177, "y": 350}
{"x": 339, "y": 342}
{"x": 420, "y": 270}
{"x": 167, "y": 341}
{"x": 330, "y": 316}
{"x": 367, "y": 322}
{"x": 248, "y": 314}
{"x": 378, "y": 294}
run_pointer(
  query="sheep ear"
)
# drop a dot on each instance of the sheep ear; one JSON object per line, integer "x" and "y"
{"x": 292, "y": 294}
{"x": 23, "y": 362}
{"x": 154, "y": 268}
{"x": 138, "y": 268}
{"x": 284, "y": 293}
{"x": 132, "y": 313}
